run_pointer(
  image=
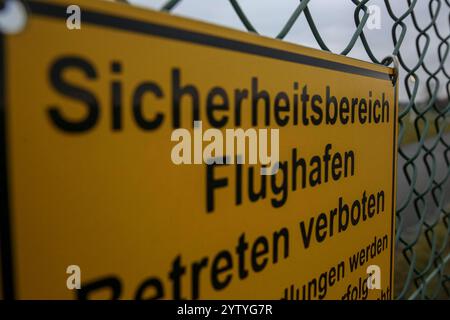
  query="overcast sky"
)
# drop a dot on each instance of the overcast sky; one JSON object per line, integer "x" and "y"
{"x": 334, "y": 19}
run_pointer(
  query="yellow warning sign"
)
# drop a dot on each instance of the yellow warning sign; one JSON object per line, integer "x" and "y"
{"x": 120, "y": 178}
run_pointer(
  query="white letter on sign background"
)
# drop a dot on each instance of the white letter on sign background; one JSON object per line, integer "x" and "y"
{"x": 74, "y": 280}
{"x": 374, "y": 279}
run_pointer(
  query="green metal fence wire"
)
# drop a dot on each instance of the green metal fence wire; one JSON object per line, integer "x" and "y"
{"x": 422, "y": 268}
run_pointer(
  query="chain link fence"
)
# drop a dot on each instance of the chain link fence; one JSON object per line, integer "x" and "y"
{"x": 418, "y": 34}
